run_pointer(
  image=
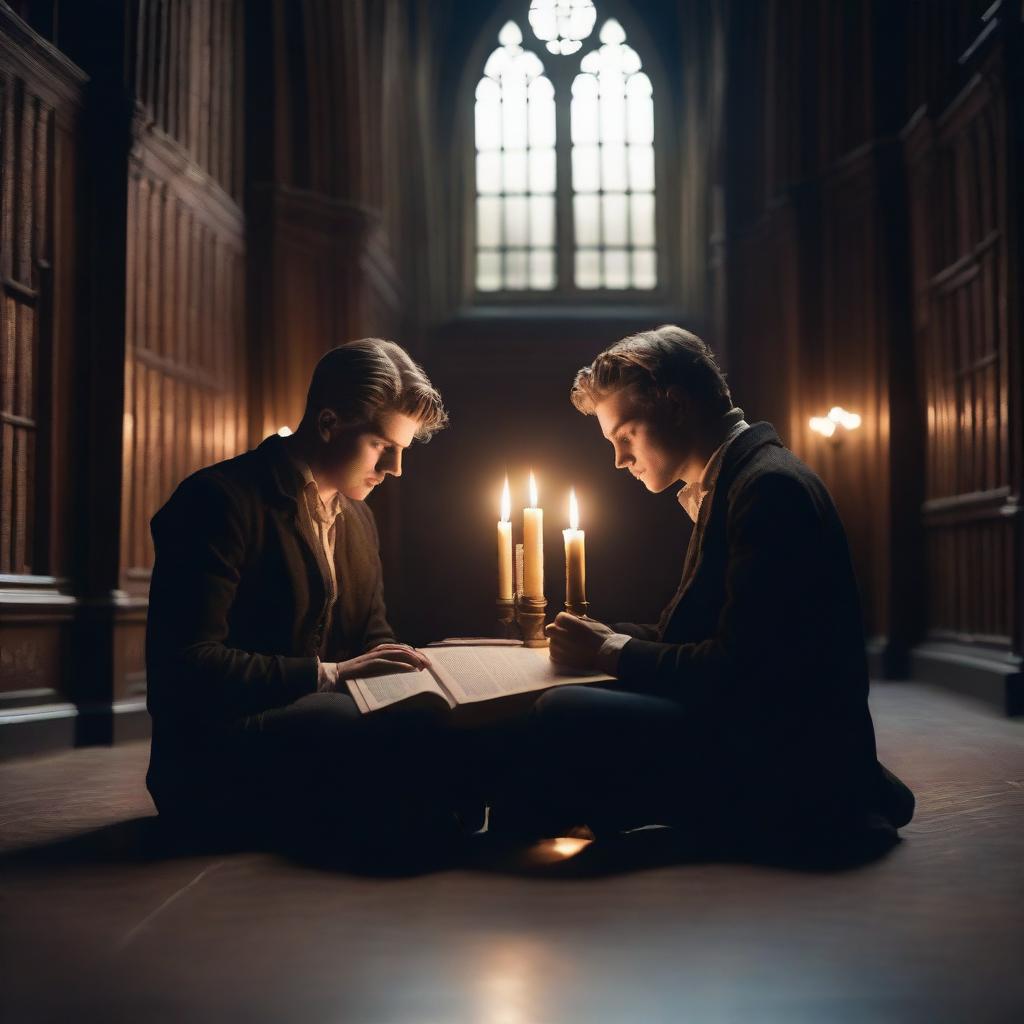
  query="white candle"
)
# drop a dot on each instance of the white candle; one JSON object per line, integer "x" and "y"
{"x": 505, "y": 546}
{"x": 575, "y": 558}
{"x": 533, "y": 546}
{"x": 519, "y": 569}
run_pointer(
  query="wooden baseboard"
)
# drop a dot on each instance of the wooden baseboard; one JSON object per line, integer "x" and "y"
{"x": 32, "y": 730}
{"x": 36, "y": 729}
{"x": 994, "y": 677}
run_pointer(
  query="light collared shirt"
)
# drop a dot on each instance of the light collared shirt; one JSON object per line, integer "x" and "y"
{"x": 323, "y": 517}
{"x": 691, "y": 497}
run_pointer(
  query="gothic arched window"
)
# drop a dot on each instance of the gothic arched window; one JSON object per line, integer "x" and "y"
{"x": 565, "y": 196}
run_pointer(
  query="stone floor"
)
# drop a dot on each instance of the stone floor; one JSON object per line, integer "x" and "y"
{"x": 95, "y": 927}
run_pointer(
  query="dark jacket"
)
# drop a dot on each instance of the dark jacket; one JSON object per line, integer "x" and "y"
{"x": 765, "y": 646}
{"x": 238, "y": 604}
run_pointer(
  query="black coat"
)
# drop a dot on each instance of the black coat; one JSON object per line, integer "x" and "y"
{"x": 765, "y": 646}
{"x": 238, "y": 603}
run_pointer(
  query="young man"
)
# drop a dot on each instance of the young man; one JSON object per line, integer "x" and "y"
{"x": 266, "y": 597}
{"x": 744, "y": 708}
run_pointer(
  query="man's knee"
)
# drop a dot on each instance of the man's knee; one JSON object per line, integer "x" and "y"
{"x": 561, "y": 704}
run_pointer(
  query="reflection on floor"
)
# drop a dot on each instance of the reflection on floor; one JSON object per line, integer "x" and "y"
{"x": 94, "y": 928}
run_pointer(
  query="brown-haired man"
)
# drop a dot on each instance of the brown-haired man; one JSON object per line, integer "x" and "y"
{"x": 266, "y": 596}
{"x": 744, "y": 709}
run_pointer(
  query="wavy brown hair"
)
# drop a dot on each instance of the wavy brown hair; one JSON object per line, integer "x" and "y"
{"x": 650, "y": 363}
{"x": 362, "y": 379}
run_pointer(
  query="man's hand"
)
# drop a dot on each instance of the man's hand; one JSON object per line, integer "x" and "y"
{"x": 381, "y": 661}
{"x": 575, "y": 641}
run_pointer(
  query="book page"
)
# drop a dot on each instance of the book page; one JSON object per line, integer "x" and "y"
{"x": 477, "y": 673}
{"x": 375, "y": 692}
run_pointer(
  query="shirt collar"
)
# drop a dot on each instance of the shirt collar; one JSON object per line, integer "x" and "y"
{"x": 692, "y": 495}
{"x": 321, "y": 511}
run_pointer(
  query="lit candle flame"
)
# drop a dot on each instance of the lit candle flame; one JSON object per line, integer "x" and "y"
{"x": 284, "y": 432}
{"x": 506, "y": 503}
{"x": 823, "y": 425}
{"x": 533, "y": 491}
{"x": 574, "y": 510}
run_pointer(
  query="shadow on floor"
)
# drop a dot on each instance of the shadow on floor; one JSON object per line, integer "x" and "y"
{"x": 148, "y": 840}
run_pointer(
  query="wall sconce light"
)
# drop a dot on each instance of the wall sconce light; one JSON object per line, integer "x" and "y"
{"x": 284, "y": 432}
{"x": 837, "y": 423}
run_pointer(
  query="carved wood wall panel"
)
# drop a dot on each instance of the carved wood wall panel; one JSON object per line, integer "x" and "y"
{"x": 40, "y": 103}
{"x": 189, "y": 74}
{"x": 185, "y": 372}
{"x": 25, "y": 256}
{"x": 186, "y": 366}
{"x": 970, "y": 383}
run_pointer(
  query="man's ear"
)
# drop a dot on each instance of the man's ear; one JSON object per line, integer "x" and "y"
{"x": 326, "y": 424}
{"x": 678, "y": 404}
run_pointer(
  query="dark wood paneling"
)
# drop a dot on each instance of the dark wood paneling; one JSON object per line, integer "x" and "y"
{"x": 40, "y": 104}
{"x": 963, "y": 265}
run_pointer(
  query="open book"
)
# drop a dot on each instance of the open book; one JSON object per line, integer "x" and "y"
{"x": 470, "y": 672}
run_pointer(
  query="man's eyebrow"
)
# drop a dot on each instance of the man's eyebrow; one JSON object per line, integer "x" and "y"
{"x": 618, "y": 426}
{"x": 390, "y": 440}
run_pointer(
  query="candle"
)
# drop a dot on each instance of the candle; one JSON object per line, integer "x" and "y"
{"x": 505, "y": 546}
{"x": 575, "y": 559}
{"x": 519, "y": 568}
{"x": 533, "y": 546}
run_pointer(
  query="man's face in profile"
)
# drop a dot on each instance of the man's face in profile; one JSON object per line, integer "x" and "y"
{"x": 358, "y": 460}
{"x": 648, "y": 441}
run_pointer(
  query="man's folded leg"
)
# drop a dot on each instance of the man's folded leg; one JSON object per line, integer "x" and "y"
{"x": 319, "y": 771}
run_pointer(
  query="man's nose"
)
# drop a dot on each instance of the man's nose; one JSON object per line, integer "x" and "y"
{"x": 622, "y": 459}
{"x": 393, "y": 464}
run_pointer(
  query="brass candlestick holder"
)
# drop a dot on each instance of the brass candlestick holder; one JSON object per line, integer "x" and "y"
{"x": 579, "y": 608}
{"x": 507, "y": 628}
{"x": 530, "y": 616}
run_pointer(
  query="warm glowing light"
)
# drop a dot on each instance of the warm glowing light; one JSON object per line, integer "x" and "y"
{"x": 533, "y": 491}
{"x": 574, "y": 511}
{"x": 506, "y": 503}
{"x": 568, "y": 846}
{"x": 847, "y": 420}
{"x": 822, "y": 425}
{"x": 284, "y": 432}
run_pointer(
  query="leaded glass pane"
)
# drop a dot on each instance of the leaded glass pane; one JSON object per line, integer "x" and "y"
{"x": 616, "y": 268}
{"x": 588, "y": 268}
{"x": 542, "y": 221}
{"x": 542, "y": 268}
{"x": 645, "y": 272}
{"x": 641, "y": 168}
{"x": 614, "y": 219}
{"x": 586, "y": 169}
{"x": 542, "y": 170}
{"x": 516, "y": 212}
{"x": 488, "y": 222}
{"x": 515, "y": 169}
{"x": 612, "y": 120}
{"x": 587, "y": 218}
{"x": 515, "y": 268}
{"x": 613, "y": 167}
{"x": 642, "y": 220}
{"x": 562, "y": 24}
{"x": 488, "y": 271}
